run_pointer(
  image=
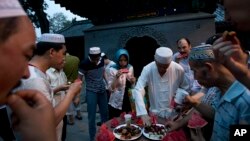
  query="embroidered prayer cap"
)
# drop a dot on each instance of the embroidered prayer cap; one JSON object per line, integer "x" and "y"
{"x": 11, "y": 8}
{"x": 163, "y": 55}
{"x": 52, "y": 38}
{"x": 94, "y": 51}
{"x": 202, "y": 52}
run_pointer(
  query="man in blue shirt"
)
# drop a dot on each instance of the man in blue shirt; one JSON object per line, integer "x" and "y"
{"x": 234, "y": 104}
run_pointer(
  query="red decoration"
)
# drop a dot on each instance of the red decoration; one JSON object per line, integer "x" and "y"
{"x": 114, "y": 123}
{"x": 105, "y": 134}
{"x": 139, "y": 122}
{"x": 122, "y": 115}
{"x": 133, "y": 115}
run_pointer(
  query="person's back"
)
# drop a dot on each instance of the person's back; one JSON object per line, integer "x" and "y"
{"x": 71, "y": 67}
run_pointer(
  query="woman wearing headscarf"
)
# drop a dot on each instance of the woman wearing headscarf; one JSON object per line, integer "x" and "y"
{"x": 120, "y": 80}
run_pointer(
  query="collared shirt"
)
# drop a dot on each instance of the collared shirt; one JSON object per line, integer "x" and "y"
{"x": 57, "y": 78}
{"x": 116, "y": 97}
{"x": 161, "y": 89}
{"x": 38, "y": 81}
{"x": 212, "y": 96}
{"x": 193, "y": 84}
{"x": 233, "y": 107}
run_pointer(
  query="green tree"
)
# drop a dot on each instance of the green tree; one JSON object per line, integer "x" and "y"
{"x": 58, "y": 21}
{"x": 35, "y": 10}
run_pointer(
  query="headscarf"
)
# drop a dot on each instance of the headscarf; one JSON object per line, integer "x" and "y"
{"x": 118, "y": 56}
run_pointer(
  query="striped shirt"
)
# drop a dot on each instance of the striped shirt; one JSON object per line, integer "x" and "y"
{"x": 94, "y": 75}
{"x": 232, "y": 108}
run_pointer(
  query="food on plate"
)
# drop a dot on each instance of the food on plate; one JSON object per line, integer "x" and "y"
{"x": 156, "y": 131}
{"x": 114, "y": 122}
{"x": 196, "y": 121}
{"x": 127, "y": 132}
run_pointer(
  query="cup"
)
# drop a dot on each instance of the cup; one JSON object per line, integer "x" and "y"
{"x": 128, "y": 118}
{"x": 180, "y": 96}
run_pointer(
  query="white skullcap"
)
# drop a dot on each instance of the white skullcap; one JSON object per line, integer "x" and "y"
{"x": 52, "y": 38}
{"x": 163, "y": 55}
{"x": 11, "y": 8}
{"x": 94, "y": 50}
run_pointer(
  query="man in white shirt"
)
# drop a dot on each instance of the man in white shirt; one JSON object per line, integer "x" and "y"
{"x": 162, "y": 77}
{"x": 50, "y": 52}
{"x": 58, "y": 82}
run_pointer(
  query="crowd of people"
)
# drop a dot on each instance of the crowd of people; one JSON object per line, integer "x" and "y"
{"x": 41, "y": 83}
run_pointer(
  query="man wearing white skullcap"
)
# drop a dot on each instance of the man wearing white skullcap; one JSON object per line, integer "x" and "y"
{"x": 17, "y": 42}
{"x": 162, "y": 78}
{"x": 50, "y": 52}
{"x": 92, "y": 71}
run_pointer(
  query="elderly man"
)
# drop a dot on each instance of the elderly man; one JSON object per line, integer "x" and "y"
{"x": 33, "y": 114}
{"x": 234, "y": 104}
{"x": 162, "y": 77}
{"x": 50, "y": 52}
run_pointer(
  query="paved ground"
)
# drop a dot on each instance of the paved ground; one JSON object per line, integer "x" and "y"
{"x": 79, "y": 131}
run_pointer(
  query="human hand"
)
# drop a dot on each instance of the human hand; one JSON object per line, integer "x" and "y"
{"x": 76, "y": 100}
{"x": 194, "y": 100}
{"x": 132, "y": 80}
{"x": 33, "y": 115}
{"x": 75, "y": 87}
{"x": 172, "y": 125}
{"x": 230, "y": 54}
{"x": 64, "y": 87}
{"x": 146, "y": 120}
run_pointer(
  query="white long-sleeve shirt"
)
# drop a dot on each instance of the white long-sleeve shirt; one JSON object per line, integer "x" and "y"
{"x": 161, "y": 89}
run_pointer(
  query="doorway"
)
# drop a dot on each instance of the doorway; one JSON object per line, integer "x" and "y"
{"x": 141, "y": 51}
